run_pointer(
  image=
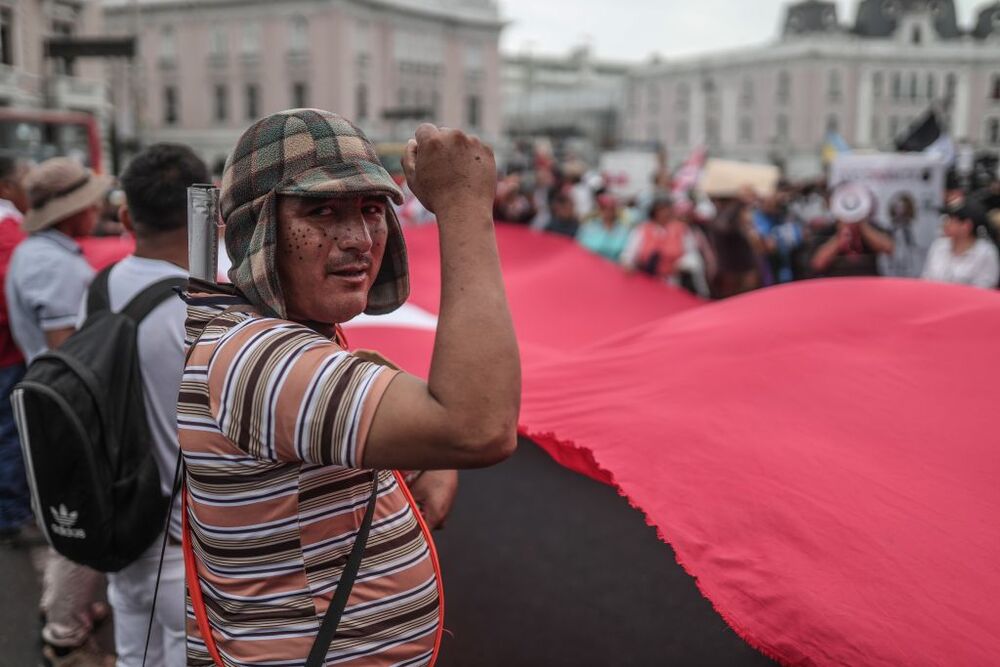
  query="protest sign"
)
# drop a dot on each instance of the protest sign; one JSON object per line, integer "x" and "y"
{"x": 909, "y": 192}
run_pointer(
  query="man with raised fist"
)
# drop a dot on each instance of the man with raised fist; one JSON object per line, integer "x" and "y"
{"x": 300, "y": 541}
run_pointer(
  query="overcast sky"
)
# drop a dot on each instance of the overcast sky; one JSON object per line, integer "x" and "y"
{"x": 633, "y": 29}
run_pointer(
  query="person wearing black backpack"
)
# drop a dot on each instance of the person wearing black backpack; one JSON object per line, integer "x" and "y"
{"x": 155, "y": 211}
{"x": 45, "y": 283}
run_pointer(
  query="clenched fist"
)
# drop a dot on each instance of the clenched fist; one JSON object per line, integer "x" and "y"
{"x": 448, "y": 169}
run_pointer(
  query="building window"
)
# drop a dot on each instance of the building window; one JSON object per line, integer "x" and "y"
{"x": 917, "y": 36}
{"x": 833, "y": 90}
{"x": 298, "y": 41}
{"x": 218, "y": 43}
{"x": 995, "y": 88}
{"x": 435, "y": 103}
{"x": 781, "y": 127}
{"x": 361, "y": 101}
{"x": 630, "y": 95}
{"x": 993, "y": 132}
{"x": 893, "y": 127}
{"x": 876, "y": 130}
{"x": 168, "y": 44}
{"x": 914, "y": 86}
{"x": 6, "y": 36}
{"x": 878, "y": 82}
{"x": 712, "y": 131}
{"x": 950, "y": 85}
{"x": 472, "y": 111}
{"x": 221, "y": 99}
{"x": 681, "y": 133}
{"x": 253, "y": 101}
{"x": 170, "y": 116}
{"x": 897, "y": 86}
{"x": 784, "y": 87}
{"x": 832, "y": 124}
{"x": 931, "y": 86}
{"x": 653, "y": 99}
{"x": 746, "y": 92}
{"x": 300, "y": 95}
{"x": 251, "y": 39}
{"x": 746, "y": 130}
{"x": 683, "y": 97}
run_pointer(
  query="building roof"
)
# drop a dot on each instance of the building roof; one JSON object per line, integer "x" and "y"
{"x": 880, "y": 18}
{"x": 988, "y": 22}
{"x": 810, "y": 16}
{"x": 480, "y": 12}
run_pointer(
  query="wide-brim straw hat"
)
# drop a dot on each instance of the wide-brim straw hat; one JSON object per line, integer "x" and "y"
{"x": 59, "y": 188}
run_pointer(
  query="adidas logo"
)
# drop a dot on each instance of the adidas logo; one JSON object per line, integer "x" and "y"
{"x": 64, "y": 521}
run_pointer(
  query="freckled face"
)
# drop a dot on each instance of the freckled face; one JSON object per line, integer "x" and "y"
{"x": 329, "y": 252}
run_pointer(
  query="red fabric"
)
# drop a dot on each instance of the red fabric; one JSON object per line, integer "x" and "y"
{"x": 822, "y": 457}
{"x": 102, "y": 251}
{"x": 10, "y": 236}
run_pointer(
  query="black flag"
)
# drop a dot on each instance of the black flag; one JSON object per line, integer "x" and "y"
{"x": 921, "y": 134}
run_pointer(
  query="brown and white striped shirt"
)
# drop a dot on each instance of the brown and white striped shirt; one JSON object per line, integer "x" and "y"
{"x": 272, "y": 421}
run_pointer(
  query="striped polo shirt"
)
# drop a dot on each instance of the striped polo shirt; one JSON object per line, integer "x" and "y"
{"x": 272, "y": 421}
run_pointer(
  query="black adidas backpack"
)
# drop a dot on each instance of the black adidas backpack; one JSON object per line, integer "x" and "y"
{"x": 87, "y": 446}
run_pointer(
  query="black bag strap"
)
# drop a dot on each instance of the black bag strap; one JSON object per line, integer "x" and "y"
{"x": 97, "y": 294}
{"x": 143, "y": 303}
{"x": 328, "y": 629}
{"x": 174, "y": 489}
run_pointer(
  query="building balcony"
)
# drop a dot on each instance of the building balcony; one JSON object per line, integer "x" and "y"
{"x": 71, "y": 92}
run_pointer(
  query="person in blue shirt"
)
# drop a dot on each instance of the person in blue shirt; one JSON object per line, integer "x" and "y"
{"x": 606, "y": 233}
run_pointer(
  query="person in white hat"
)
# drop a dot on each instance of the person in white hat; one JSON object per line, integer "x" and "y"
{"x": 45, "y": 286}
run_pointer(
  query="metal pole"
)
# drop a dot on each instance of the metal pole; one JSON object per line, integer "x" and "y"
{"x": 203, "y": 232}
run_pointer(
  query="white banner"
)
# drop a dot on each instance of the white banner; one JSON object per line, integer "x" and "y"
{"x": 909, "y": 192}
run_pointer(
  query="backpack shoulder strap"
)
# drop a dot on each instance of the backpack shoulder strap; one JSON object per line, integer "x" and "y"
{"x": 97, "y": 294}
{"x": 143, "y": 303}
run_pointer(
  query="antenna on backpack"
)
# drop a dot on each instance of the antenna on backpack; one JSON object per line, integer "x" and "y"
{"x": 204, "y": 223}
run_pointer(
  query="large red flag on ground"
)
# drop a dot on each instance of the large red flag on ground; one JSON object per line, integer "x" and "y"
{"x": 823, "y": 457}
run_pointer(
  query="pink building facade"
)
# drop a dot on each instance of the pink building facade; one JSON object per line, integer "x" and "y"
{"x": 207, "y": 70}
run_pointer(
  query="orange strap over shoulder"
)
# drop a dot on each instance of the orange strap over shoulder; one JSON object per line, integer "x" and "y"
{"x": 194, "y": 587}
{"x": 198, "y": 602}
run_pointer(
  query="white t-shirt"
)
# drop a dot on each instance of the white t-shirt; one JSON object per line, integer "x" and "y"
{"x": 161, "y": 358}
{"x": 978, "y": 266}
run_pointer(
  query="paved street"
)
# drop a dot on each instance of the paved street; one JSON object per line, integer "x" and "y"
{"x": 541, "y": 567}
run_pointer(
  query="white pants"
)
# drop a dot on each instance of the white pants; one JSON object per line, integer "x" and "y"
{"x": 130, "y": 592}
{"x": 69, "y": 592}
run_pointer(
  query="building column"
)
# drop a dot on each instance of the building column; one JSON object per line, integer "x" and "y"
{"x": 865, "y": 105}
{"x": 960, "y": 108}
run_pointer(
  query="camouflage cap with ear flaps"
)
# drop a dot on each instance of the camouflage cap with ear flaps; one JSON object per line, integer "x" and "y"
{"x": 307, "y": 153}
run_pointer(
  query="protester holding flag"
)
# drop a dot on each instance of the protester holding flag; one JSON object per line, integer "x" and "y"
{"x": 965, "y": 254}
{"x": 45, "y": 284}
{"x": 294, "y": 516}
{"x": 606, "y": 233}
{"x": 15, "y": 500}
{"x": 665, "y": 247}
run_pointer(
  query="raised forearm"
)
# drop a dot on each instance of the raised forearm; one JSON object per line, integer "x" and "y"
{"x": 475, "y": 369}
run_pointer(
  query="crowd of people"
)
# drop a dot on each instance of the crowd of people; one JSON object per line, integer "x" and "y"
{"x": 718, "y": 247}
{"x": 713, "y": 247}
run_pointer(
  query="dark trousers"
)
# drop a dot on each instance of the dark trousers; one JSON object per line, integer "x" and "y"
{"x": 15, "y": 499}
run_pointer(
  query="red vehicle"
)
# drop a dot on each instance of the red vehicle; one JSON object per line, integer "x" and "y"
{"x": 38, "y": 134}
